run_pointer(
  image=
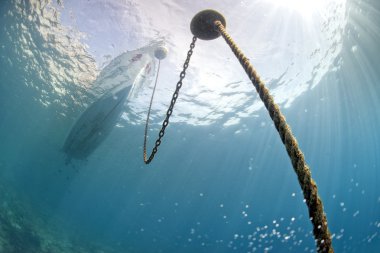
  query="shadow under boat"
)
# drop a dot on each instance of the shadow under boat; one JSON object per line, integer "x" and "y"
{"x": 95, "y": 124}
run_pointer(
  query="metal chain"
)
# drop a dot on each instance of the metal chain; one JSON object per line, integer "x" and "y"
{"x": 170, "y": 109}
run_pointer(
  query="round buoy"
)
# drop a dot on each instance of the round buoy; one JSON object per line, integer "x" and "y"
{"x": 161, "y": 52}
{"x": 202, "y": 25}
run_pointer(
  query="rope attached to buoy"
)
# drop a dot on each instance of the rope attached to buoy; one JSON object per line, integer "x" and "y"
{"x": 149, "y": 110}
{"x": 309, "y": 187}
{"x": 208, "y": 25}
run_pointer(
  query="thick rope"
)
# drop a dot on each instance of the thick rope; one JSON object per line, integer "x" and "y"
{"x": 148, "y": 116}
{"x": 317, "y": 216}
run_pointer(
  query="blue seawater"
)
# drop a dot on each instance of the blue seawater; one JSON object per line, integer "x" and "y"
{"x": 211, "y": 188}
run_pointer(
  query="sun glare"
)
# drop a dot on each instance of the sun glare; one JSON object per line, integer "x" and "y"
{"x": 305, "y": 8}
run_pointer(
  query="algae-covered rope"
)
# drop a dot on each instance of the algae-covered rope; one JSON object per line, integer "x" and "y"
{"x": 170, "y": 110}
{"x": 317, "y": 216}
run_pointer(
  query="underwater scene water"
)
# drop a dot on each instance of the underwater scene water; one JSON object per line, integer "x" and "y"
{"x": 75, "y": 84}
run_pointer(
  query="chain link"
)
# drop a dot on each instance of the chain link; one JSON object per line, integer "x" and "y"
{"x": 169, "y": 112}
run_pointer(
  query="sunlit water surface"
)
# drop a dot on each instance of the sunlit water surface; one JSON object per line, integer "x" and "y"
{"x": 221, "y": 181}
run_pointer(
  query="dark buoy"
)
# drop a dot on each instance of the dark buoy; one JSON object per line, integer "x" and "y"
{"x": 202, "y": 26}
